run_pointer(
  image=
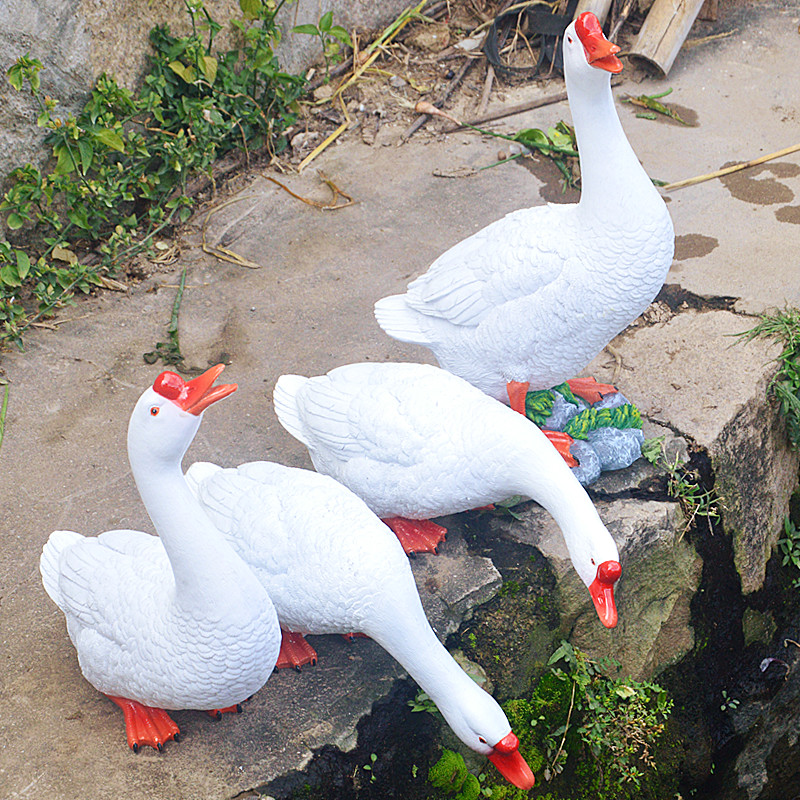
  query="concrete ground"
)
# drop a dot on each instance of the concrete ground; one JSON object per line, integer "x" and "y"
{"x": 307, "y": 309}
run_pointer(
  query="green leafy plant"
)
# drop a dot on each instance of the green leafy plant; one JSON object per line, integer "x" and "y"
{"x": 120, "y": 168}
{"x": 654, "y": 106}
{"x": 368, "y": 767}
{"x": 617, "y": 719}
{"x": 331, "y": 37}
{"x": 728, "y": 702}
{"x": 789, "y": 546}
{"x": 684, "y": 484}
{"x": 783, "y": 327}
{"x": 422, "y": 702}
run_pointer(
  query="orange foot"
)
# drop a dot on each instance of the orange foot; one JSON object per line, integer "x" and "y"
{"x": 351, "y": 637}
{"x": 218, "y": 712}
{"x": 517, "y": 392}
{"x": 590, "y": 390}
{"x": 417, "y": 535}
{"x": 146, "y": 725}
{"x": 295, "y": 651}
{"x": 562, "y": 442}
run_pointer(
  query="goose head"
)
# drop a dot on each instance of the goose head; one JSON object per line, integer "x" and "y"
{"x": 481, "y": 724}
{"x": 596, "y": 560}
{"x": 167, "y": 415}
{"x": 587, "y": 52}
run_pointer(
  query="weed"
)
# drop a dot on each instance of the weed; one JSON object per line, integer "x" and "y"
{"x": 784, "y": 328}
{"x": 331, "y": 37}
{"x": 170, "y": 352}
{"x": 120, "y": 167}
{"x": 422, "y": 702}
{"x": 728, "y": 702}
{"x": 790, "y": 547}
{"x": 368, "y": 767}
{"x": 684, "y": 485}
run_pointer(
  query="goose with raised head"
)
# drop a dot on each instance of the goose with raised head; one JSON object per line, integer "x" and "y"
{"x": 171, "y": 621}
{"x": 331, "y": 566}
{"x": 415, "y": 442}
{"x": 530, "y": 300}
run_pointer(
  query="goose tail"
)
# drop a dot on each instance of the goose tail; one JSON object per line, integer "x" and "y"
{"x": 49, "y": 563}
{"x": 399, "y": 320}
{"x": 284, "y": 398}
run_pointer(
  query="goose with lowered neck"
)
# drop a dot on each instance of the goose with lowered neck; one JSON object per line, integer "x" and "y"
{"x": 171, "y": 621}
{"x": 415, "y": 442}
{"x": 528, "y": 301}
{"x": 331, "y": 566}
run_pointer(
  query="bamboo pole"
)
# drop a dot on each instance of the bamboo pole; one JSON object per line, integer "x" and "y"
{"x": 735, "y": 168}
{"x": 664, "y": 31}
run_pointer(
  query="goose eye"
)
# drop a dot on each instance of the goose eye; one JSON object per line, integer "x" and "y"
{"x": 593, "y": 562}
{"x": 569, "y": 39}
{"x": 481, "y": 740}
{"x": 154, "y": 413}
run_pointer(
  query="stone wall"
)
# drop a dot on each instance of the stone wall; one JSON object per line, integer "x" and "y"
{"x": 78, "y": 40}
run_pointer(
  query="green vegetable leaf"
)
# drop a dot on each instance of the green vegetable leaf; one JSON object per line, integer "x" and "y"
{"x": 325, "y": 21}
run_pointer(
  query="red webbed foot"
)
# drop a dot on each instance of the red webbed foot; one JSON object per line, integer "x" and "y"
{"x": 218, "y": 712}
{"x": 562, "y": 442}
{"x": 517, "y": 393}
{"x": 590, "y": 390}
{"x": 417, "y": 535}
{"x": 146, "y": 725}
{"x": 295, "y": 651}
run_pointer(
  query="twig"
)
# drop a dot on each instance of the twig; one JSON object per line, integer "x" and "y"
{"x": 520, "y": 108}
{"x": 375, "y": 48}
{"x": 487, "y": 89}
{"x": 4, "y": 409}
{"x": 335, "y": 191}
{"x": 566, "y": 726}
{"x": 728, "y": 170}
{"x": 320, "y": 147}
{"x": 421, "y": 120}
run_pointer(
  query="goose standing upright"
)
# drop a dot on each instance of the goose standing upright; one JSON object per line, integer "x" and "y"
{"x": 170, "y": 621}
{"x": 331, "y": 566}
{"x": 414, "y": 442}
{"x": 528, "y": 301}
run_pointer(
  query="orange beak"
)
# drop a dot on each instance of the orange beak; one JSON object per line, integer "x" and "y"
{"x": 511, "y": 765}
{"x": 196, "y": 395}
{"x": 602, "y": 592}
{"x": 599, "y": 51}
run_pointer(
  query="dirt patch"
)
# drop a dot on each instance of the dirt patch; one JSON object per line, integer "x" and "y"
{"x": 746, "y": 185}
{"x": 788, "y": 214}
{"x": 694, "y": 245}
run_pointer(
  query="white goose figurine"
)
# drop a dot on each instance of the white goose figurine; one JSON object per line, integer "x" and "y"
{"x": 530, "y": 300}
{"x": 331, "y": 566}
{"x": 415, "y": 442}
{"x": 171, "y": 621}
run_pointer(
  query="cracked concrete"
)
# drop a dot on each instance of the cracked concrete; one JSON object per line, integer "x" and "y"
{"x": 308, "y": 309}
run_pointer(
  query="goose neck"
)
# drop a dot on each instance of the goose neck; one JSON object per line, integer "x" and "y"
{"x": 207, "y": 571}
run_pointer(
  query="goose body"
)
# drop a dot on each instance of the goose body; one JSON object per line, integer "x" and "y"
{"x": 331, "y": 566}
{"x": 415, "y": 441}
{"x": 171, "y": 621}
{"x": 533, "y": 297}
